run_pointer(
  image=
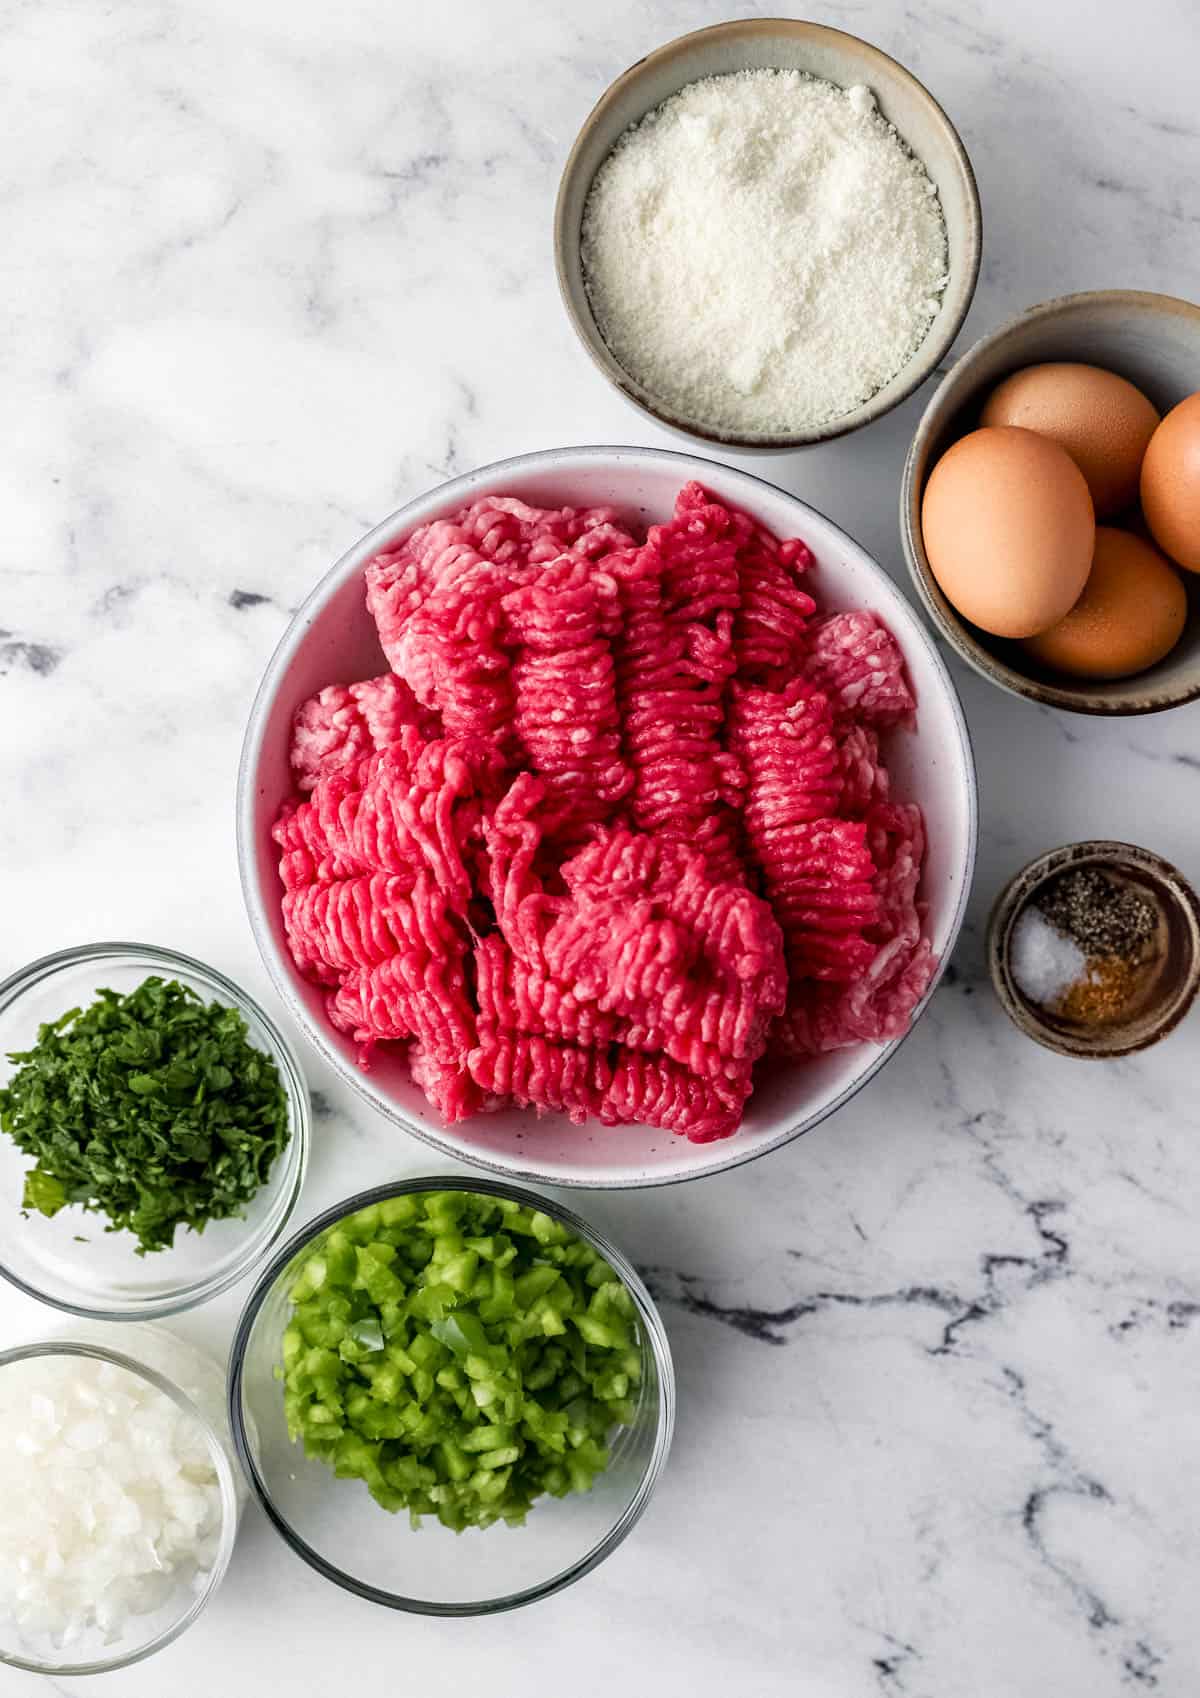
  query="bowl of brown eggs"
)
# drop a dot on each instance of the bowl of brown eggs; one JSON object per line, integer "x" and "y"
{"x": 1050, "y": 507}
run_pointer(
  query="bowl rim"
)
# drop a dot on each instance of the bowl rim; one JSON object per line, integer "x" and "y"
{"x": 226, "y": 1482}
{"x": 460, "y": 488}
{"x": 294, "y": 1155}
{"x": 652, "y": 1324}
{"x": 948, "y": 623}
{"x": 926, "y": 357}
{"x": 1015, "y": 896}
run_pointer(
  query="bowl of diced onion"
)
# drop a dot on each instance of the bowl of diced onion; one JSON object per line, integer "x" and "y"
{"x": 451, "y": 1397}
{"x": 118, "y": 1502}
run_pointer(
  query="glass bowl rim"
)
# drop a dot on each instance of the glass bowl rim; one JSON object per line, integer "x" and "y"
{"x": 225, "y": 1480}
{"x": 186, "y": 1295}
{"x": 655, "y": 1334}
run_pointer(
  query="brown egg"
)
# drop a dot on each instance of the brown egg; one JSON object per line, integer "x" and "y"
{"x": 1171, "y": 484}
{"x": 1102, "y": 421}
{"x": 1008, "y": 527}
{"x": 1131, "y": 613}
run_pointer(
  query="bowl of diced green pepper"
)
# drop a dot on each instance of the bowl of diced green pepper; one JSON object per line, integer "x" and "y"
{"x": 451, "y": 1399}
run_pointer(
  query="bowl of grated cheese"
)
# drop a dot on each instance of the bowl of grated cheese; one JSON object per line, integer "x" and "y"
{"x": 767, "y": 234}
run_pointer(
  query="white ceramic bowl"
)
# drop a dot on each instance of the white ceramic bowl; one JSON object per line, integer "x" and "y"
{"x": 332, "y": 639}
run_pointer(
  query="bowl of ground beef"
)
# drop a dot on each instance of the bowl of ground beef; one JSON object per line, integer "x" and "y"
{"x": 606, "y": 817}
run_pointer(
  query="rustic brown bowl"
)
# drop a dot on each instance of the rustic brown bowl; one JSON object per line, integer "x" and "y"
{"x": 777, "y": 44}
{"x": 1180, "y": 979}
{"x": 1154, "y": 340}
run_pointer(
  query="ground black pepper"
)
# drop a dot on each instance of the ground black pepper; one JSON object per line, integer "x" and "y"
{"x": 1103, "y": 916}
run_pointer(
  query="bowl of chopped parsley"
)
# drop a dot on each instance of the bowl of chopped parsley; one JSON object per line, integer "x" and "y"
{"x": 452, "y": 1397}
{"x": 154, "y": 1130}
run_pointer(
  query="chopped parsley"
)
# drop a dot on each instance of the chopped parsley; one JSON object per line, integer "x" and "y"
{"x": 152, "y": 1108}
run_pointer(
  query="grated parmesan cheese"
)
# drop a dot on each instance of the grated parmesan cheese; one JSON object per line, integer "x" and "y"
{"x": 762, "y": 252}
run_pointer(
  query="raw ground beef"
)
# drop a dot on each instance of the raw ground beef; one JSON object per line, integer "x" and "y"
{"x": 616, "y": 824}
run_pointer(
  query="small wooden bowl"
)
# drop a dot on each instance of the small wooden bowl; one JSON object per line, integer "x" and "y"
{"x": 1179, "y": 977}
{"x": 1154, "y": 341}
{"x": 791, "y": 45}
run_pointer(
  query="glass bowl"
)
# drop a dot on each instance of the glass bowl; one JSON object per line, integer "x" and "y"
{"x": 68, "y": 1259}
{"x": 93, "y": 1651}
{"x": 337, "y": 1527}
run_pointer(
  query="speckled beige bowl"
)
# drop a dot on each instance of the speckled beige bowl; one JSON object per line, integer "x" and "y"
{"x": 776, "y": 44}
{"x": 1154, "y": 340}
{"x": 1180, "y": 978}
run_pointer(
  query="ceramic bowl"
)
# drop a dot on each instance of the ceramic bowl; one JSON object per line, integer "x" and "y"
{"x": 779, "y": 44}
{"x": 1154, "y": 340}
{"x": 333, "y": 638}
{"x": 1178, "y": 980}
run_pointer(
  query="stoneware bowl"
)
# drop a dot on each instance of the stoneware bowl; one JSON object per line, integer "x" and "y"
{"x": 777, "y": 44}
{"x": 333, "y": 638}
{"x": 1154, "y": 340}
{"x": 1179, "y": 980}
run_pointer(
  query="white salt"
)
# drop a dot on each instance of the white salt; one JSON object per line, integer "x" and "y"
{"x": 1044, "y": 963}
{"x": 762, "y": 252}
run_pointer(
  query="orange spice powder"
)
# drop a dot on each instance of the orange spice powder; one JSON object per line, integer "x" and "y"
{"x": 1104, "y": 994}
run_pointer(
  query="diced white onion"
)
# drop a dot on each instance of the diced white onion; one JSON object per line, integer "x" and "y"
{"x": 109, "y": 1500}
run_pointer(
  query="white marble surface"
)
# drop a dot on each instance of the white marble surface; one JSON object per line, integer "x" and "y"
{"x": 273, "y": 268}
